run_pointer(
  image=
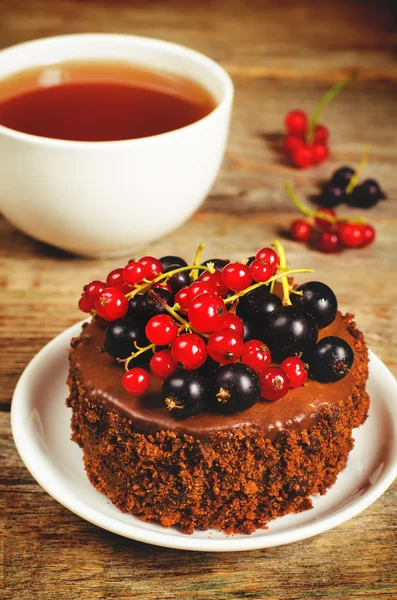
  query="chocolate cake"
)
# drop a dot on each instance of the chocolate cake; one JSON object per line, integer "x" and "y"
{"x": 230, "y": 470}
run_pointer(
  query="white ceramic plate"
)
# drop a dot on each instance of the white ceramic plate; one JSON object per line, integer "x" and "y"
{"x": 41, "y": 429}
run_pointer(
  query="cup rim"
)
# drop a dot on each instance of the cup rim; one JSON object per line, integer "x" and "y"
{"x": 216, "y": 68}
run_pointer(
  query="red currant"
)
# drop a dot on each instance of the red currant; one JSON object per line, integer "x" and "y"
{"x": 274, "y": 383}
{"x": 134, "y": 273}
{"x": 261, "y": 271}
{"x": 291, "y": 143}
{"x": 321, "y": 133}
{"x": 351, "y": 234}
{"x": 216, "y": 282}
{"x": 301, "y": 230}
{"x": 197, "y": 288}
{"x": 111, "y": 304}
{"x": 92, "y": 291}
{"x": 296, "y": 122}
{"x": 225, "y": 346}
{"x": 319, "y": 152}
{"x": 296, "y": 370}
{"x": 152, "y": 267}
{"x": 136, "y": 381}
{"x": 115, "y": 278}
{"x": 329, "y": 242}
{"x": 161, "y": 330}
{"x": 207, "y": 312}
{"x": 256, "y": 355}
{"x": 302, "y": 157}
{"x": 84, "y": 304}
{"x": 269, "y": 256}
{"x": 182, "y": 298}
{"x": 236, "y": 276}
{"x": 162, "y": 364}
{"x": 369, "y": 234}
{"x": 189, "y": 350}
{"x": 232, "y": 321}
{"x": 323, "y": 224}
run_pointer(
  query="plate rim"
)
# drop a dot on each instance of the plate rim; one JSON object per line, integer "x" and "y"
{"x": 31, "y": 456}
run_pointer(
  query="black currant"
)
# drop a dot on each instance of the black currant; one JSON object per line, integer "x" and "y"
{"x": 331, "y": 196}
{"x": 366, "y": 195}
{"x": 167, "y": 261}
{"x": 319, "y": 300}
{"x": 289, "y": 331}
{"x": 120, "y": 336}
{"x": 208, "y": 368}
{"x": 330, "y": 360}
{"x": 219, "y": 263}
{"x": 258, "y": 304}
{"x": 137, "y": 307}
{"x": 234, "y": 387}
{"x": 341, "y": 177}
{"x": 251, "y": 331}
{"x": 184, "y": 393}
{"x": 153, "y": 306}
{"x": 179, "y": 280}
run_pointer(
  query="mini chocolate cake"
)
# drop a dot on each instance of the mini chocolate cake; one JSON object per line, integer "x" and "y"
{"x": 229, "y": 469}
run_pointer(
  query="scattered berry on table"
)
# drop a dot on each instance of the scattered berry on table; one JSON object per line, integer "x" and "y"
{"x": 296, "y": 122}
{"x": 329, "y": 242}
{"x": 351, "y": 234}
{"x": 301, "y": 230}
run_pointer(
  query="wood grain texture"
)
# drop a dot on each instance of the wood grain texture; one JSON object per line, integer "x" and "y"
{"x": 280, "y": 55}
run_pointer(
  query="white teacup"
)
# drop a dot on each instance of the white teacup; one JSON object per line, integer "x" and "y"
{"x": 110, "y": 198}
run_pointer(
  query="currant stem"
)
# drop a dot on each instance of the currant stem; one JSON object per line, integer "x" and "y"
{"x": 283, "y": 265}
{"x": 196, "y": 262}
{"x": 356, "y": 177}
{"x": 127, "y": 360}
{"x": 323, "y": 103}
{"x": 285, "y": 273}
{"x": 311, "y": 212}
{"x": 147, "y": 286}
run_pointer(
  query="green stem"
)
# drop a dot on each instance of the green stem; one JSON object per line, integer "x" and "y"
{"x": 357, "y": 175}
{"x": 196, "y": 262}
{"x": 310, "y": 212}
{"x": 283, "y": 265}
{"x": 323, "y": 103}
{"x": 273, "y": 278}
{"x": 175, "y": 315}
{"x": 127, "y": 360}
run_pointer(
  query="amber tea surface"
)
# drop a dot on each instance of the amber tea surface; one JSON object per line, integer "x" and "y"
{"x": 100, "y": 101}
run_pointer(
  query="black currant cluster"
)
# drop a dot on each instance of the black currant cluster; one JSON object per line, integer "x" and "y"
{"x": 336, "y": 191}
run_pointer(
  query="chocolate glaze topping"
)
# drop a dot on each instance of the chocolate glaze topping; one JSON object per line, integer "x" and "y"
{"x": 101, "y": 377}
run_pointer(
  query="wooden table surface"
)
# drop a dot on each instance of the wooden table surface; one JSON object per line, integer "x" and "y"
{"x": 280, "y": 55}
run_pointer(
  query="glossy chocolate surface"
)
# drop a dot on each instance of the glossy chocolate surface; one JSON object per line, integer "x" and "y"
{"x": 101, "y": 377}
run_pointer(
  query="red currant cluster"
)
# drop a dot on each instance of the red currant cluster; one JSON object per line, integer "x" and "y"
{"x": 326, "y": 231}
{"x": 184, "y": 318}
{"x": 306, "y": 142}
{"x": 302, "y": 153}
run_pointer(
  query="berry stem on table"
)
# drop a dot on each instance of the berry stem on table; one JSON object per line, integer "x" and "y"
{"x": 323, "y": 103}
{"x": 357, "y": 174}
{"x": 311, "y": 212}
